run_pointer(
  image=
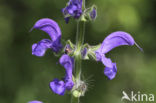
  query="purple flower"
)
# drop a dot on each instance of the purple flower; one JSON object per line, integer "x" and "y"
{"x": 73, "y": 9}
{"x": 35, "y": 101}
{"x": 59, "y": 87}
{"x": 112, "y": 41}
{"x": 50, "y": 27}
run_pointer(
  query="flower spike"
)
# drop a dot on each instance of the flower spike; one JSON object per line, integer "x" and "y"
{"x": 73, "y": 54}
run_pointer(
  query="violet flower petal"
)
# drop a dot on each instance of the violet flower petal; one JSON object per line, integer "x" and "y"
{"x": 57, "y": 87}
{"x": 98, "y": 55}
{"x": 111, "y": 72}
{"x": 116, "y": 39}
{"x": 69, "y": 84}
{"x": 68, "y": 63}
{"x": 35, "y": 101}
{"x": 39, "y": 49}
{"x": 110, "y": 67}
{"x": 52, "y": 28}
{"x": 107, "y": 62}
{"x": 49, "y": 26}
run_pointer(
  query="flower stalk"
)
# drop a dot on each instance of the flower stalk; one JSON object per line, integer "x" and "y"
{"x": 80, "y": 34}
{"x": 78, "y": 58}
{"x": 79, "y": 44}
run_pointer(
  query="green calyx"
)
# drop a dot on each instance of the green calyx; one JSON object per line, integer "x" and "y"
{"x": 86, "y": 14}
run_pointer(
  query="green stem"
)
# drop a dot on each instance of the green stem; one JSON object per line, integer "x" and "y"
{"x": 84, "y": 4}
{"x": 78, "y": 56}
{"x": 80, "y": 33}
{"x": 78, "y": 67}
{"x": 74, "y": 100}
{"x": 79, "y": 44}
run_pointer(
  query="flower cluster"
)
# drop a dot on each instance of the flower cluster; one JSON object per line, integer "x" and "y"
{"x": 73, "y": 9}
{"x": 72, "y": 54}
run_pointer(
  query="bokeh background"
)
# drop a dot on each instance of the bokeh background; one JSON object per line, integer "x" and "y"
{"x": 24, "y": 77}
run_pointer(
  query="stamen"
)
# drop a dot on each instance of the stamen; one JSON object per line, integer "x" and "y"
{"x": 139, "y": 47}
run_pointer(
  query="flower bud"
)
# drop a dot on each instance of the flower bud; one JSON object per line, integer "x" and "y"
{"x": 93, "y": 13}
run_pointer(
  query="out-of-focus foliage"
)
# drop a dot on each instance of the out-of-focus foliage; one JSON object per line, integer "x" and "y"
{"x": 24, "y": 77}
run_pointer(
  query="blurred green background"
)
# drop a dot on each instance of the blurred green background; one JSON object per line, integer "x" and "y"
{"x": 24, "y": 77}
